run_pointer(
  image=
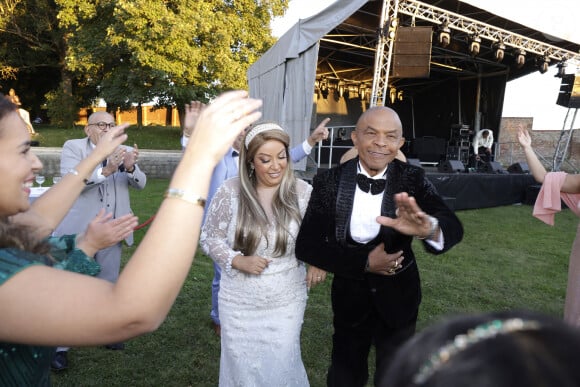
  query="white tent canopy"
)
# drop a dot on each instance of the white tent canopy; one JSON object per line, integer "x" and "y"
{"x": 284, "y": 76}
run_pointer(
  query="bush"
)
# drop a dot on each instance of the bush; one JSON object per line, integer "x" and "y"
{"x": 61, "y": 106}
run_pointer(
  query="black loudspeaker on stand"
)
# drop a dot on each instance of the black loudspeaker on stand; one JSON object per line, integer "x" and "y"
{"x": 519, "y": 168}
{"x": 451, "y": 166}
{"x": 493, "y": 167}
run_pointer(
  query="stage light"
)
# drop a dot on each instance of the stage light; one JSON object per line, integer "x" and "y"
{"x": 392, "y": 94}
{"x": 520, "y": 58}
{"x": 341, "y": 88}
{"x": 324, "y": 88}
{"x": 352, "y": 91}
{"x": 444, "y": 37}
{"x": 474, "y": 45}
{"x": 561, "y": 70}
{"x": 499, "y": 51}
{"x": 543, "y": 64}
{"x": 362, "y": 91}
{"x": 400, "y": 95}
{"x": 392, "y": 28}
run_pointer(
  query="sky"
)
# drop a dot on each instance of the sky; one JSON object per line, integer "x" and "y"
{"x": 531, "y": 96}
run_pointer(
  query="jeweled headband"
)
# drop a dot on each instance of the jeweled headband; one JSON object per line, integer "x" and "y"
{"x": 473, "y": 336}
{"x": 259, "y": 129}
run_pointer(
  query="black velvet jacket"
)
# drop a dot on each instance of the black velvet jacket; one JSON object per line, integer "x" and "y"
{"x": 323, "y": 240}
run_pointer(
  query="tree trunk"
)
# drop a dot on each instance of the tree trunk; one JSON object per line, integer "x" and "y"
{"x": 139, "y": 115}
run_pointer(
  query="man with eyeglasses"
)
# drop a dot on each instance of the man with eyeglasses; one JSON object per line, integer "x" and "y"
{"x": 108, "y": 188}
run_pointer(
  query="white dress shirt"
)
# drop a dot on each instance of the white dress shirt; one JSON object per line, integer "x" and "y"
{"x": 365, "y": 209}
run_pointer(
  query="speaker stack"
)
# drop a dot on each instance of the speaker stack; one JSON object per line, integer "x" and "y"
{"x": 569, "y": 95}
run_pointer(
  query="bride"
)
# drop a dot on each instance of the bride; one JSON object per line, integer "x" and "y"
{"x": 250, "y": 232}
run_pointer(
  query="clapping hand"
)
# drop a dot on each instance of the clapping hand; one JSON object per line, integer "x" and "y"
{"x": 114, "y": 160}
{"x": 110, "y": 141}
{"x": 130, "y": 158}
{"x": 103, "y": 231}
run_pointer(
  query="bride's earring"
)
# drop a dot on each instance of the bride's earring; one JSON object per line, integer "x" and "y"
{"x": 251, "y": 170}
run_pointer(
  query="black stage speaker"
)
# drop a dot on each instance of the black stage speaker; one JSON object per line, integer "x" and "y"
{"x": 415, "y": 162}
{"x": 493, "y": 167}
{"x": 412, "y": 52}
{"x": 519, "y": 168}
{"x": 451, "y": 166}
{"x": 569, "y": 95}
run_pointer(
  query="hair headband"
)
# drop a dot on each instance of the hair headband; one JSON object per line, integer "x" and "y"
{"x": 473, "y": 336}
{"x": 259, "y": 129}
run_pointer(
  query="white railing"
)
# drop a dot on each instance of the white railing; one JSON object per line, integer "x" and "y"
{"x": 333, "y": 135}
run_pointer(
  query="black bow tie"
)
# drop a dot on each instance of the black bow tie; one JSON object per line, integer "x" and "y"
{"x": 235, "y": 154}
{"x": 376, "y": 186}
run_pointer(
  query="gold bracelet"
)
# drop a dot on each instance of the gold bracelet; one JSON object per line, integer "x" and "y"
{"x": 186, "y": 196}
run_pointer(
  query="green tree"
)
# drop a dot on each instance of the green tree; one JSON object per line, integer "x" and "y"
{"x": 31, "y": 50}
{"x": 168, "y": 51}
{"x": 133, "y": 51}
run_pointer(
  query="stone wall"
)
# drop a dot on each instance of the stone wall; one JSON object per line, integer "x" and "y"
{"x": 543, "y": 141}
{"x": 155, "y": 163}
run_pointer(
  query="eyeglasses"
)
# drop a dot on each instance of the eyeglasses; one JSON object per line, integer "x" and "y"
{"x": 103, "y": 125}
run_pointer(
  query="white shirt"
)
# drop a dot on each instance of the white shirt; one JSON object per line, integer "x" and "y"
{"x": 479, "y": 140}
{"x": 365, "y": 209}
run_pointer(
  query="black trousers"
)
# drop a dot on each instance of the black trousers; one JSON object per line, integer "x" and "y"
{"x": 351, "y": 344}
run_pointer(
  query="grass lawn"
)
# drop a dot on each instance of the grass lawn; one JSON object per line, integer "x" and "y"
{"x": 148, "y": 137}
{"x": 508, "y": 259}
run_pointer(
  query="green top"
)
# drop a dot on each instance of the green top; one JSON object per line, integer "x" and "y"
{"x": 29, "y": 365}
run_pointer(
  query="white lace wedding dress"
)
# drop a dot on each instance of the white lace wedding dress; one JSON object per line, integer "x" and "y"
{"x": 261, "y": 315}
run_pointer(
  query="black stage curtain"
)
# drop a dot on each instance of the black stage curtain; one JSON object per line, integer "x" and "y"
{"x": 481, "y": 190}
{"x": 436, "y": 107}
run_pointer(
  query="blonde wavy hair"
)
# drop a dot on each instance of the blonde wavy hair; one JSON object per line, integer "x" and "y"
{"x": 252, "y": 221}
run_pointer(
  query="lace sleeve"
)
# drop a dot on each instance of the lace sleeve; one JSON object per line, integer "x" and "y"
{"x": 304, "y": 190}
{"x": 217, "y": 233}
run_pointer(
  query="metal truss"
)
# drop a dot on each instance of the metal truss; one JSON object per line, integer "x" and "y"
{"x": 474, "y": 27}
{"x": 564, "y": 140}
{"x": 438, "y": 16}
{"x": 384, "y": 52}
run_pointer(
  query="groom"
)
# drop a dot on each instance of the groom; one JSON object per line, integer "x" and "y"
{"x": 376, "y": 289}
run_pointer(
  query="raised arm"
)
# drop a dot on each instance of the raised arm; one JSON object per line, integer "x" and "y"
{"x": 49, "y": 209}
{"x": 150, "y": 282}
{"x": 320, "y": 133}
{"x": 535, "y": 165}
